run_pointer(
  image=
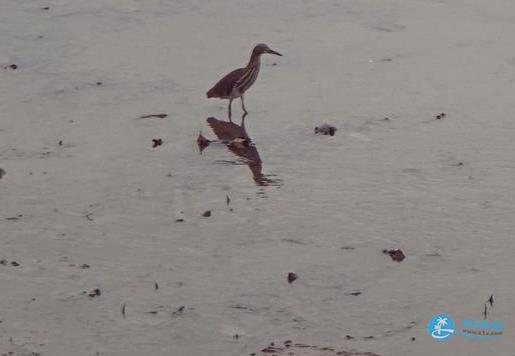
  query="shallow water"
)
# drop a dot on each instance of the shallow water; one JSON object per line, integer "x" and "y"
{"x": 324, "y": 207}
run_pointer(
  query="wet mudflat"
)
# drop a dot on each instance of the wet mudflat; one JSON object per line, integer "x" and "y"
{"x": 120, "y": 238}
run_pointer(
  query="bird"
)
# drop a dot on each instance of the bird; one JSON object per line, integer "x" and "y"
{"x": 235, "y": 84}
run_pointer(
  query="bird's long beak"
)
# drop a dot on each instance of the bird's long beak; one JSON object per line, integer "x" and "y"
{"x": 273, "y": 52}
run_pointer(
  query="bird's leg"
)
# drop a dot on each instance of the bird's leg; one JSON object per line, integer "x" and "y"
{"x": 243, "y": 105}
{"x": 230, "y": 102}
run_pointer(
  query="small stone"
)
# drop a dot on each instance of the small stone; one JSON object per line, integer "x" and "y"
{"x": 292, "y": 277}
{"x": 94, "y": 293}
{"x": 325, "y": 129}
{"x": 60, "y": 143}
{"x": 156, "y": 142}
{"x": 15, "y": 264}
{"x": 207, "y": 213}
{"x": 396, "y": 255}
{"x": 11, "y": 66}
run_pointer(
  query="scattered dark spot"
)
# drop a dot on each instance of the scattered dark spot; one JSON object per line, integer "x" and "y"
{"x": 2, "y": 173}
{"x": 179, "y": 220}
{"x": 60, "y": 143}
{"x": 292, "y": 277}
{"x": 11, "y": 66}
{"x": 123, "y": 310}
{"x": 491, "y": 300}
{"x": 152, "y": 312}
{"x": 99, "y": 83}
{"x": 160, "y": 116}
{"x": 156, "y": 142}
{"x": 369, "y": 337}
{"x": 347, "y": 248}
{"x": 84, "y": 266}
{"x": 325, "y": 129}
{"x": 46, "y": 8}
{"x": 386, "y": 119}
{"x": 433, "y": 254}
{"x": 156, "y": 286}
{"x": 396, "y": 255}
{"x": 349, "y": 337}
{"x": 41, "y": 36}
{"x": 95, "y": 293}
{"x": 207, "y": 213}
{"x": 3, "y": 262}
{"x": 227, "y": 200}
{"x": 179, "y": 310}
{"x": 15, "y": 264}
{"x": 236, "y": 336}
{"x": 385, "y": 60}
{"x": 413, "y": 338}
{"x": 356, "y": 293}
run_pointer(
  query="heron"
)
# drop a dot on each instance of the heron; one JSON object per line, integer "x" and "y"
{"x": 236, "y": 83}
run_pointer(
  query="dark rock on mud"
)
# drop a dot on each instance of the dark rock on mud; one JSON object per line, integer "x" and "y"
{"x": 292, "y": 277}
{"x": 156, "y": 142}
{"x": 325, "y": 129}
{"x": 396, "y": 255}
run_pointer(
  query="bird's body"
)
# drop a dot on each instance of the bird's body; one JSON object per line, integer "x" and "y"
{"x": 236, "y": 83}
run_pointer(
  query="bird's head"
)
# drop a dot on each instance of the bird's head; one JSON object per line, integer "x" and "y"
{"x": 263, "y": 48}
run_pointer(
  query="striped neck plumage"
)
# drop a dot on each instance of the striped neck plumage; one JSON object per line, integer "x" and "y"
{"x": 255, "y": 60}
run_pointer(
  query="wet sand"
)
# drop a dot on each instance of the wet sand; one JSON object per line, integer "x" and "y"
{"x": 88, "y": 203}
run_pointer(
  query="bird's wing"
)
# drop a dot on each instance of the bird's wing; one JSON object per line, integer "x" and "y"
{"x": 223, "y": 88}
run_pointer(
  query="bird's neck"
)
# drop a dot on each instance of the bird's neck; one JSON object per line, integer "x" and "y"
{"x": 255, "y": 60}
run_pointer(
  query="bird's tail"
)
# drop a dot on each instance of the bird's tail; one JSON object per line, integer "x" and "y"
{"x": 210, "y": 93}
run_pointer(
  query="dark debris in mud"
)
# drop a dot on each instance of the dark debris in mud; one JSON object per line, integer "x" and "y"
{"x": 95, "y": 293}
{"x": 325, "y": 129}
{"x": 292, "y": 277}
{"x": 156, "y": 142}
{"x": 11, "y": 66}
{"x": 159, "y": 116}
{"x": 396, "y": 255}
{"x": 296, "y": 349}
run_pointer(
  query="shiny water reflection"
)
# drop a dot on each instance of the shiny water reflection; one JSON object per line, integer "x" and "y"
{"x": 236, "y": 139}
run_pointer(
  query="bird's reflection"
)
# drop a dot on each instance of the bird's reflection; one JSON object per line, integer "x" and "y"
{"x": 236, "y": 139}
